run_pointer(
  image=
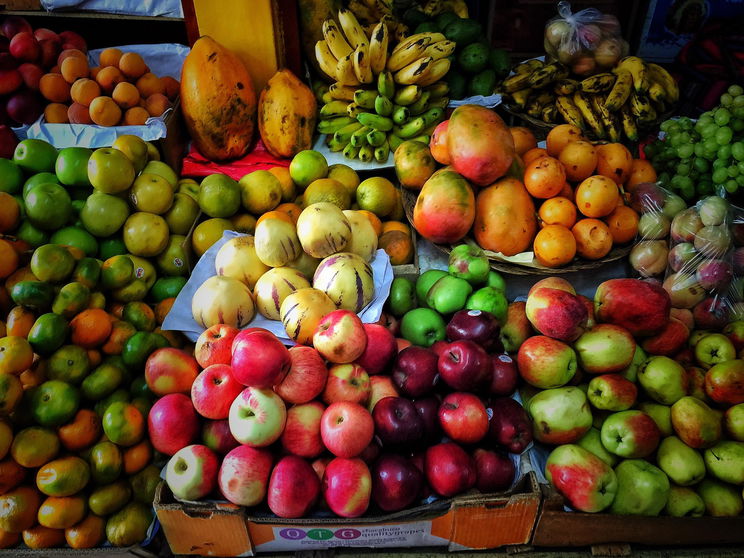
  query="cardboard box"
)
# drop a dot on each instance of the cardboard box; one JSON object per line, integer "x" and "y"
{"x": 479, "y": 521}
{"x": 102, "y": 552}
{"x": 556, "y": 527}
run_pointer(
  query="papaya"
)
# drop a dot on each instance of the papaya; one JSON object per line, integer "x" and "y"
{"x": 505, "y": 217}
{"x": 218, "y": 101}
{"x": 286, "y": 115}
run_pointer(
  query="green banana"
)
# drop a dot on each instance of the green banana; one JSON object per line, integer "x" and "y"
{"x": 407, "y": 95}
{"x": 376, "y": 138}
{"x": 394, "y": 141}
{"x": 401, "y": 115}
{"x": 383, "y": 105}
{"x": 420, "y": 105}
{"x": 432, "y": 115}
{"x": 366, "y": 153}
{"x": 441, "y": 103}
{"x": 347, "y": 132}
{"x": 411, "y": 128}
{"x": 351, "y": 151}
{"x": 438, "y": 89}
{"x": 382, "y": 152}
{"x": 365, "y": 98}
{"x": 375, "y": 121}
{"x": 334, "y": 145}
{"x": 423, "y": 138}
{"x": 333, "y": 109}
{"x": 353, "y": 110}
{"x": 332, "y": 125}
{"x": 327, "y": 97}
{"x": 359, "y": 137}
{"x": 386, "y": 84}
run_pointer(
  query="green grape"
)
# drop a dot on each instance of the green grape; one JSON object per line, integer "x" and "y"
{"x": 684, "y": 169}
{"x": 726, "y": 100}
{"x": 650, "y": 150}
{"x": 710, "y": 144}
{"x": 737, "y": 124}
{"x": 724, "y": 135}
{"x": 663, "y": 177}
{"x": 694, "y": 175}
{"x": 656, "y": 162}
{"x": 733, "y": 171}
{"x": 722, "y": 116}
{"x": 674, "y": 128}
{"x": 740, "y": 164}
{"x": 664, "y": 126}
{"x": 704, "y": 121}
{"x": 686, "y": 182}
{"x": 720, "y": 175}
{"x": 700, "y": 164}
{"x": 740, "y": 180}
{"x": 724, "y": 152}
{"x": 699, "y": 149}
{"x": 719, "y": 164}
{"x": 738, "y": 112}
{"x": 688, "y": 193}
{"x": 704, "y": 187}
{"x": 710, "y": 154}
{"x": 735, "y": 90}
{"x": 739, "y": 101}
{"x": 731, "y": 186}
{"x": 709, "y": 131}
{"x": 677, "y": 181}
{"x": 685, "y": 151}
{"x": 737, "y": 150}
{"x": 675, "y": 140}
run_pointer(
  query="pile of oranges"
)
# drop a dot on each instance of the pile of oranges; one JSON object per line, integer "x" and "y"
{"x": 120, "y": 91}
{"x": 580, "y": 190}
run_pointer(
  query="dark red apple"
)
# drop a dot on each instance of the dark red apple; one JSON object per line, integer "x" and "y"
{"x": 416, "y": 371}
{"x": 8, "y": 142}
{"x": 43, "y": 33}
{"x": 7, "y": 62}
{"x": 172, "y": 423}
{"x": 389, "y": 322}
{"x": 370, "y": 453}
{"x": 396, "y": 482}
{"x": 293, "y": 487}
{"x": 465, "y": 366}
{"x": 12, "y": 25}
{"x": 509, "y": 425}
{"x": 25, "y": 107}
{"x": 504, "y": 374}
{"x": 439, "y": 347}
{"x": 494, "y": 471}
{"x": 428, "y": 410}
{"x": 449, "y": 469}
{"x": 24, "y": 47}
{"x": 463, "y": 418}
{"x": 478, "y": 326}
{"x": 711, "y": 313}
{"x": 397, "y": 422}
{"x": 380, "y": 350}
{"x": 31, "y": 74}
{"x": 70, "y": 39}
{"x": 259, "y": 358}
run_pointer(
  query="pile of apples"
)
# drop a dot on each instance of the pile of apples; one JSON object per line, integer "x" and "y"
{"x": 26, "y": 55}
{"x": 645, "y": 417}
{"x": 345, "y": 423}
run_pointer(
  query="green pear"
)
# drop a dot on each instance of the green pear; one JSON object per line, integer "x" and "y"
{"x": 695, "y": 423}
{"x": 725, "y": 461}
{"x": 663, "y": 379}
{"x": 642, "y": 489}
{"x": 662, "y": 415}
{"x": 592, "y": 442}
{"x": 721, "y": 499}
{"x": 560, "y": 415}
{"x": 680, "y": 462}
{"x": 684, "y": 502}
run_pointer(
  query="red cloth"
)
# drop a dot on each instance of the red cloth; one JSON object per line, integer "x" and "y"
{"x": 195, "y": 164}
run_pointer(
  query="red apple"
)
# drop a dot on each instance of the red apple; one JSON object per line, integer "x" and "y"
{"x": 509, "y": 425}
{"x": 347, "y": 382}
{"x": 12, "y": 25}
{"x": 70, "y": 39}
{"x": 612, "y": 392}
{"x": 214, "y": 390}
{"x": 669, "y": 341}
{"x": 711, "y": 313}
{"x": 390, "y": 322}
{"x": 171, "y": 370}
{"x": 396, "y": 482}
{"x": 8, "y": 142}
{"x": 214, "y": 345}
{"x": 380, "y": 350}
{"x": 257, "y": 417}
{"x": 553, "y": 282}
{"x": 319, "y": 466}
{"x": 589, "y": 305}
{"x": 10, "y": 80}
{"x": 735, "y": 332}
{"x": 465, "y": 366}
{"x": 556, "y": 313}
{"x": 494, "y": 472}
{"x": 244, "y": 475}
{"x": 504, "y": 375}
{"x": 724, "y": 382}
{"x": 641, "y": 307}
{"x": 346, "y": 428}
{"x": 587, "y": 482}
{"x": 449, "y": 470}
{"x": 293, "y": 488}
{"x": 259, "y": 359}
{"x": 340, "y": 337}
{"x": 24, "y": 46}
{"x": 216, "y": 436}
{"x": 50, "y": 50}
{"x": 347, "y": 486}
{"x": 546, "y": 363}
{"x": 416, "y": 371}
{"x": 31, "y": 74}
{"x": 630, "y": 434}
{"x": 439, "y": 347}
{"x": 397, "y": 423}
{"x": 191, "y": 473}
{"x": 695, "y": 381}
{"x": 684, "y": 315}
{"x": 463, "y": 418}
{"x": 43, "y": 33}
{"x": 301, "y": 434}
{"x": 480, "y": 327}
{"x": 25, "y": 107}
{"x": 379, "y": 388}
{"x": 172, "y": 423}
{"x": 306, "y": 377}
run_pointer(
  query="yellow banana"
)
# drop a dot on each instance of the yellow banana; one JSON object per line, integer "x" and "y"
{"x": 628, "y": 121}
{"x": 345, "y": 70}
{"x": 545, "y": 75}
{"x": 325, "y": 58}
{"x": 598, "y": 83}
{"x": 569, "y": 112}
{"x": 378, "y": 45}
{"x": 457, "y": 6}
{"x": 402, "y": 58}
{"x": 662, "y": 77}
{"x": 437, "y": 71}
{"x": 432, "y": 7}
{"x": 528, "y": 66}
{"x": 565, "y": 86}
{"x": 362, "y": 66}
{"x": 591, "y": 119}
{"x": 355, "y": 35}
{"x": 516, "y": 82}
{"x": 415, "y": 71}
{"x": 335, "y": 39}
{"x": 637, "y": 69}
{"x": 549, "y": 113}
{"x": 429, "y": 37}
{"x": 608, "y": 119}
{"x": 620, "y": 91}
{"x": 441, "y": 49}
{"x": 656, "y": 92}
{"x": 341, "y": 92}
{"x": 521, "y": 97}
{"x": 641, "y": 108}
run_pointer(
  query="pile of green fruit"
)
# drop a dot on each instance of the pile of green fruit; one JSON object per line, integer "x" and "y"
{"x": 476, "y": 66}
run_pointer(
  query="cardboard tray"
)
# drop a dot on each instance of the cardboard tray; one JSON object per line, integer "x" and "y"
{"x": 558, "y": 528}
{"x": 102, "y": 552}
{"x": 469, "y": 522}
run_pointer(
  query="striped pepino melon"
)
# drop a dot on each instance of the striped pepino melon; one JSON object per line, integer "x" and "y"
{"x": 237, "y": 258}
{"x": 286, "y": 115}
{"x": 276, "y": 242}
{"x": 222, "y": 300}
{"x": 301, "y": 312}
{"x": 218, "y": 101}
{"x": 323, "y": 229}
{"x": 274, "y": 286}
{"x": 347, "y": 280}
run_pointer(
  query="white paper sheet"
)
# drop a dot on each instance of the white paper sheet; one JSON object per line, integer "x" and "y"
{"x": 154, "y": 8}
{"x": 335, "y": 158}
{"x": 180, "y": 319}
{"x": 491, "y": 101}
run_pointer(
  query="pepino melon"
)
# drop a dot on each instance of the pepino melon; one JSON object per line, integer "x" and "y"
{"x": 347, "y": 280}
{"x": 301, "y": 312}
{"x": 222, "y": 300}
{"x": 274, "y": 286}
{"x": 237, "y": 258}
{"x": 323, "y": 229}
{"x": 276, "y": 242}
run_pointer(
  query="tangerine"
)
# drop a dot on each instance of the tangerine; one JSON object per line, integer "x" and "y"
{"x": 597, "y": 196}
{"x": 90, "y": 328}
{"x": 623, "y": 224}
{"x": 560, "y": 136}
{"x": 580, "y": 159}
{"x": 544, "y": 177}
{"x": 554, "y": 246}
{"x": 593, "y": 238}
{"x": 557, "y": 211}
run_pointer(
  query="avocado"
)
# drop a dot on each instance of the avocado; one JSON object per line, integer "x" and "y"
{"x": 463, "y": 31}
{"x": 457, "y": 85}
{"x": 500, "y": 62}
{"x": 445, "y": 18}
{"x": 413, "y": 16}
{"x": 474, "y": 58}
{"x": 483, "y": 83}
{"x": 427, "y": 27}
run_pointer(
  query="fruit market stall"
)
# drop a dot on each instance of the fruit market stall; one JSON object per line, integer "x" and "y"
{"x": 417, "y": 292}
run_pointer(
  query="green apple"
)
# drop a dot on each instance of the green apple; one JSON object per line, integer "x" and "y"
{"x": 145, "y": 234}
{"x": 663, "y": 379}
{"x": 491, "y": 300}
{"x": 630, "y": 434}
{"x": 725, "y": 461}
{"x": 496, "y": 280}
{"x": 713, "y": 349}
{"x": 39, "y": 178}
{"x": 11, "y": 177}
{"x": 560, "y": 415}
{"x": 34, "y": 155}
{"x": 219, "y": 196}
{"x": 591, "y": 441}
{"x": 469, "y": 263}
{"x": 642, "y": 489}
{"x": 696, "y": 336}
{"x": 189, "y": 187}
{"x": 425, "y": 282}
{"x": 159, "y": 167}
{"x": 48, "y": 206}
{"x": 662, "y": 415}
{"x": 448, "y": 295}
{"x": 135, "y": 148}
{"x": 684, "y": 502}
{"x": 604, "y": 349}
{"x": 109, "y": 170}
{"x": 695, "y": 423}
{"x": 721, "y": 499}
{"x": 423, "y": 327}
{"x": 734, "y": 420}
{"x": 182, "y": 214}
{"x": 402, "y": 296}
{"x": 682, "y": 464}
{"x": 104, "y": 214}
{"x": 71, "y": 167}
{"x": 172, "y": 260}
{"x": 612, "y": 392}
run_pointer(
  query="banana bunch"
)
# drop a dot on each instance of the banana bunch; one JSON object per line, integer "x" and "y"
{"x": 608, "y": 105}
{"x": 370, "y": 123}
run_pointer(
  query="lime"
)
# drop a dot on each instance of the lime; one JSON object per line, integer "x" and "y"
{"x": 261, "y": 191}
{"x": 54, "y": 403}
{"x": 377, "y": 195}
{"x": 104, "y": 214}
{"x": 306, "y": 166}
{"x": 77, "y": 237}
{"x": 48, "y": 206}
{"x": 219, "y": 196}
{"x": 11, "y": 177}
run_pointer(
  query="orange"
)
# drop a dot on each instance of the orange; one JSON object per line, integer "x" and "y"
{"x": 593, "y": 238}
{"x": 395, "y": 226}
{"x": 10, "y": 217}
{"x": 125, "y": 95}
{"x": 56, "y": 113}
{"x": 398, "y": 245}
{"x": 104, "y": 111}
{"x": 291, "y": 209}
{"x": 162, "y": 308}
{"x": 640, "y": 171}
{"x": 78, "y": 114}
{"x": 109, "y": 57}
{"x": 84, "y": 90}
{"x": 285, "y": 180}
{"x": 579, "y": 159}
{"x": 274, "y": 214}
{"x": 40, "y": 536}
{"x": 8, "y": 539}
{"x": 172, "y": 87}
{"x": 532, "y": 154}
{"x": 16, "y": 355}
{"x": 108, "y": 78}
{"x": 94, "y": 357}
{"x": 18, "y": 509}
{"x": 374, "y": 220}
{"x": 557, "y": 211}
{"x": 524, "y": 139}
{"x": 623, "y": 224}
{"x": 74, "y": 68}
{"x": 19, "y": 322}
{"x": 560, "y": 136}
{"x": 614, "y": 161}
{"x": 132, "y": 65}
{"x": 89, "y": 533}
{"x": 20, "y": 274}
{"x": 544, "y": 177}
{"x": 54, "y": 88}
{"x": 81, "y": 432}
{"x": 90, "y": 328}
{"x": 149, "y": 84}
{"x": 135, "y": 116}
{"x": 554, "y": 246}
{"x": 597, "y": 196}
{"x": 62, "y": 512}
{"x": 137, "y": 457}
{"x": 156, "y": 104}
